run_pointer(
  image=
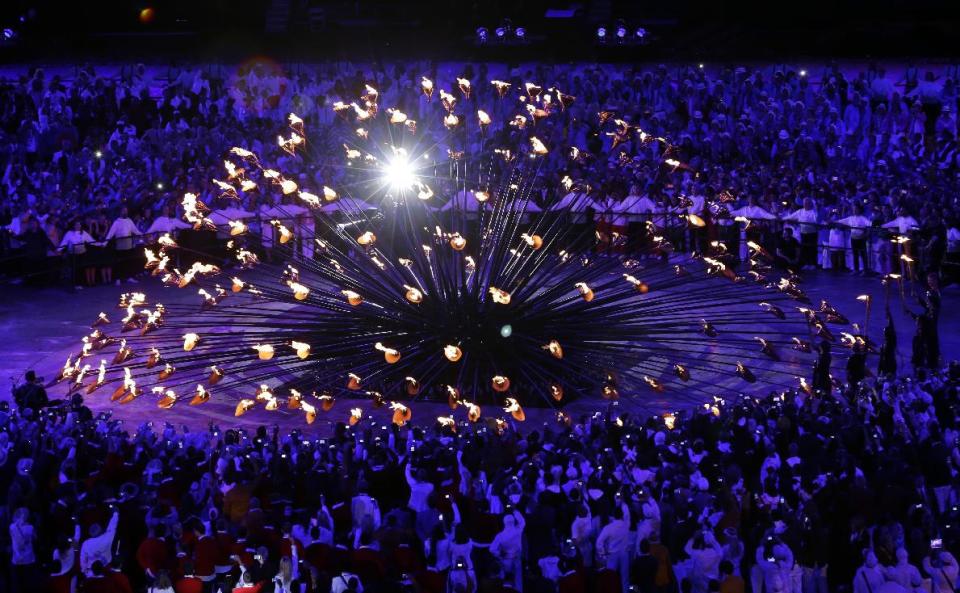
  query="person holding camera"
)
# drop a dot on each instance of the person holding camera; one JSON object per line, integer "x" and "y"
{"x": 31, "y": 393}
{"x": 942, "y": 568}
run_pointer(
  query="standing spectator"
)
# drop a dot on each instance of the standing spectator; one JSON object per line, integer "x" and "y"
{"x": 23, "y": 559}
{"x": 122, "y": 232}
{"x": 98, "y": 546}
{"x": 808, "y": 218}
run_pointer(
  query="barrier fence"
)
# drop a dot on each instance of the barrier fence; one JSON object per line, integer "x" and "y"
{"x": 879, "y": 250}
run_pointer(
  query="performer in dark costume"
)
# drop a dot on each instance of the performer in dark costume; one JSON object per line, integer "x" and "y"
{"x": 821, "y": 370}
{"x": 888, "y": 350}
{"x": 926, "y": 342}
{"x": 857, "y": 366}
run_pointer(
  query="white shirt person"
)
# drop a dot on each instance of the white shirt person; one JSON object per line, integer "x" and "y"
{"x": 75, "y": 241}
{"x": 165, "y": 224}
{"x": 123, "y": 230}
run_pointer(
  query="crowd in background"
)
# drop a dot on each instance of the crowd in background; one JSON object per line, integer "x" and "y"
{"x": 93, "y": 165}
{"x": 856, "y": 490}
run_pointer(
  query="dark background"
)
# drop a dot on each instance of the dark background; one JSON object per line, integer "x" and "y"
{"x": 315, "y": 29}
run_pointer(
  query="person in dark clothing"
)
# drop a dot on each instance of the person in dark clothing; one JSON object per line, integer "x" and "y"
{"x": 31, "y": 394}
{"x": 788, "y": 251}
{"x": 644, "y": 569}
{"x": 887, "y": 364}
{"x": 926, "y": 342}
{"x": 35, "y": 245}
{"x": 857, "y": 365}
{"x": 821, "y": 370}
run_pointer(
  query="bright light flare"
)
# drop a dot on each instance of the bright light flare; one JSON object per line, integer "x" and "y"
{"x": 398, "y": 174}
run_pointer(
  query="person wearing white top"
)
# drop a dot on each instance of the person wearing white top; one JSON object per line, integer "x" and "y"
{"x": 774, "y": 567}
{"x": 98, "y": 546}
{"x": 74, "y": 243}
{"x": 613, "y": 546}
{"x": 807, "y": 217}
{"x": 611, "y": 223}
{"x": 22, "y": 556}
{"x": 420, "y": 489}
{"x": 581, "y": 532}
{"x": 122, "y": 231}
{"x": 705, "y": 555}
{"x": 637, "y": 207}
{"x": 904, "y": 223}
{"x": 943, "y": 570}
{"x": 346, "y": 582}
{"x": 869, "y": 577}
{"x": 752, "y": 211}
{"x": 507, "y": 547}
{"x": 165, "y": 224}
{"x": 858, "y": 224}
{"x": 904, "y": 573}
{"x": 365, "y": 512}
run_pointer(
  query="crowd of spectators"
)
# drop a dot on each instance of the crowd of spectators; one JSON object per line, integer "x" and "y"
{"x": 789, "y": 493}
{"x": 92, "y": 165}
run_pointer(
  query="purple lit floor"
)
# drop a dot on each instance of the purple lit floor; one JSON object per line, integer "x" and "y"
{"x": 39, "y": 327}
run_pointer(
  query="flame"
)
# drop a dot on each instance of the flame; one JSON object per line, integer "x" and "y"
{"x": 464, "y": 85}
{"x": 169, "y": 398}
{"x": 513, "y": 408}
{"x": 243, "y": 406}
{"x": 190, "y": 340}
{"x": 401, "y": 413}
{"x": 413, "y": 295}
{"x": 300, "y": 292}
{"x": 264, "y": 351}
{"x": 457, "y": 242}
{"x": 391, "y": 355}
{"x": 367, "y": 238}
{"x": 453, "y": 353}
{"x": 411, "y": 385}
{"x": 423, "y": 191}
{"x": 670, "y": 420}
{"x": 533, "y": 241}
{"x": 201, "y": 396}
{"x": 302, "y": 349}
{"x": 585, "y": 291}
{"x": 538, "y": 147}
{"x": 555, "y": 349}
{"x": 500, "y": 383}
{"x": 426, "y": 85}
{"x": 352, "y": 297}
{"x": 501, "y": 87}
{"x": 500, "y": 297}
{"x": 353, "y": 382}
{"x": 473, "y": 411}
{"x": 355, "y": 415}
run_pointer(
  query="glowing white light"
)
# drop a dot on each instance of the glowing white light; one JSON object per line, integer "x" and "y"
{"x": 398, "y": 174}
